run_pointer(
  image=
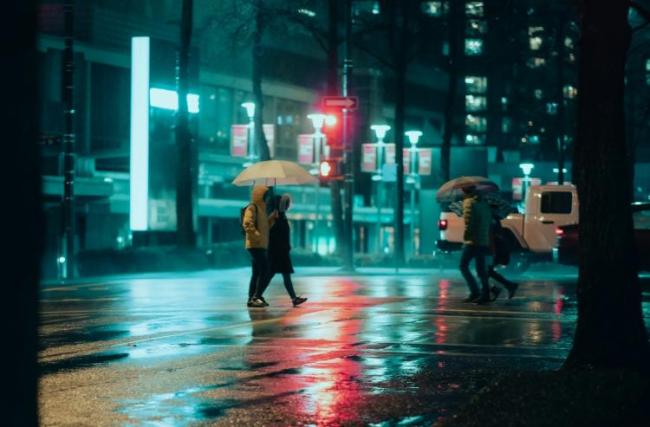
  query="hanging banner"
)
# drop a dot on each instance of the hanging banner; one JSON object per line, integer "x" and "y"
{"x": 390, "y": 154}
{"x": 518, "y": 184}
{"x": 269, "y": 134}
{"x": 239, "y": 140}
{"x": 369, "y": 157}
{"x": 425, "y": 157}
{"x": 406, "y": 160}
{"x": 306, "y": 149}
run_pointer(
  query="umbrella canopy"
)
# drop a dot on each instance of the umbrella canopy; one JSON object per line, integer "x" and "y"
{"x": 451, "y": 191}
{"x": 274, "y": 172}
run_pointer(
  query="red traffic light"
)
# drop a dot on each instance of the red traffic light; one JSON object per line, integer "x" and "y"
{"x": 329, "y": 169}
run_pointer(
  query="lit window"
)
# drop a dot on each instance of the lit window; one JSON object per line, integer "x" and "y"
{"x": 539, "y": 94}
{"x": 475, "y": 123}
{"x": 474, "y": 8}
{"x": 535, "y": 43}
{"x": 647, "y": 71}
{"x": 504, "y": 103}
{"x": 506, "y": 125}
{"x": 472, "y": 139}
{"x": 551, "y": 108}
{"x": 533, "y": 139}
{"x": 476, "y": 27}
{"x": 535, "y": 31}
{"x": 475, "y": 84}
{"x": 570, "y": 91}
{"x": 568, "y": 42}
{"x": 536, "y": 62}
{"x": 473, "y": 47}
{"x": 475, "y": 103}
{"x": 307, "y": 12}
{"x": 434, "y": 8}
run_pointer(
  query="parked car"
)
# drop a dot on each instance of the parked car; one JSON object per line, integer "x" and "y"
{"x": 546, "y": 207}
{"x": 567, "y": 238}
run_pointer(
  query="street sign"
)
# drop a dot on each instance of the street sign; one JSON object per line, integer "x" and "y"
{"x": 369, "y": 157}
{"x": 342, "y": 102}
{"x": 306, "y": 149}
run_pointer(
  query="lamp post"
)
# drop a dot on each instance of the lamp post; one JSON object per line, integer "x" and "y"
{"x": 250, "y": 112}
{"x": 317, "y": 120}
{"x": 413, "y": 179}
{"x": 526, "y": 169}
{"x": 380, "y": 132}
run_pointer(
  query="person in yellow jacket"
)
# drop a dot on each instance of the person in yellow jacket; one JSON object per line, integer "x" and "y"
{"x": 478, "y": 217}
{"x": 256, "y": 225}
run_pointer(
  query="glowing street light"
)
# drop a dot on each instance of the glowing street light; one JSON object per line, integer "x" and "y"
{"x": 380, "y": 132}
{"x": 526, "y": 168}
{"x": 414, "y": 137}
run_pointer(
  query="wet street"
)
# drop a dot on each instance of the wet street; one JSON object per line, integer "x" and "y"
{"x": 372, "y": 349}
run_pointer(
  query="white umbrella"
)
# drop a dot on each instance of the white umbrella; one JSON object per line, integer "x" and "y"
{"x": 274, "y": 172}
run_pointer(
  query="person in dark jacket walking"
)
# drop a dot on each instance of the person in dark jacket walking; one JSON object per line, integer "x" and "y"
{"x": 477, "y": 216}
{"x": 280, "y": 248}
{"x": 500, "y": 256}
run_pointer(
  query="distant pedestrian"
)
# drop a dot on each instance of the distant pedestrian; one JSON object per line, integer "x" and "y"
{"x": 477, "y": 216}
{"x": 280, "y": 248}
{"x": 501, "y": 247}
{"x": 256, "y": 223}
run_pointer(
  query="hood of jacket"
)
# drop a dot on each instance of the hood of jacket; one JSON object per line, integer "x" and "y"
{"x": 258, "y": 195}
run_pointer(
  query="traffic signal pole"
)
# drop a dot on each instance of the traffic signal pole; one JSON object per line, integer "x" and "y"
{"x": 68, "y": 240}
{"x": 348, "y": 257}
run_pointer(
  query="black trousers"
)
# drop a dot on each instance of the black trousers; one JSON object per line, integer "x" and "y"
{"x": 261, "y": 272}
{"x": 288, "y": 284}
{"x": 499, "y": 278}
{"x": 478, "y": 253}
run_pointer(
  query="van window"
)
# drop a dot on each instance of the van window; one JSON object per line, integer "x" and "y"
{"x": 556, "y": 202}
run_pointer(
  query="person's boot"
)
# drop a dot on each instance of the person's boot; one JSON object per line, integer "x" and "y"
{"x": 298, "y": 300}
{"x": 484, "y": 298}
{"x": 512, "y": 288}
{"x": 495, "y": 291}
{"x": 472, "y": 297}
{"x": 256, "y": 303}
{"x": 266, "y": 304}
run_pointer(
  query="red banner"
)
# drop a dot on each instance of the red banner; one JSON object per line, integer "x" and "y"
{"x": 239, "y": 140}
{"x": 306, "y": 149}
{"x": 369, "y": 158}
{"x": 425, "y": 158}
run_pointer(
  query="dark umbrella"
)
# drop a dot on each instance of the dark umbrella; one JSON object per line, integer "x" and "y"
{"x": 452, "y": 191}
{"x": 500, "y": 208}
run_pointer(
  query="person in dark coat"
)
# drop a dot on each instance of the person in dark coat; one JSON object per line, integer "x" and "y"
{"x": 500, "y": 246}
{"x": 280, "y": 248}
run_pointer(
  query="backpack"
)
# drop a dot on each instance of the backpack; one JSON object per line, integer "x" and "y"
{"x": 242, "y": 212}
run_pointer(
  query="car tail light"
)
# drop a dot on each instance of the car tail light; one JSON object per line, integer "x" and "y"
{"x": 442, "y": 224}
{"x": 559, "y": 232}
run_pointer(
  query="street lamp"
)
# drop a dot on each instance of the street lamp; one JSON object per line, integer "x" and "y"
{"x": 526, "y": 168}
{"x": 250, "y": 112}
{"x": 380, "y": 132}
{"x": 318, "y": 120}
{"x": 414, "y": 137}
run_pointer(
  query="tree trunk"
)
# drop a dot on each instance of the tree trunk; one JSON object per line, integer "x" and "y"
{"x": 185, "y": 171}
{"x": 452, "y": 92}
{"x": 610, "y": 331}
{"x": 333, "y": 90}
{"x": 258, "y": 96}
{"x": 24, "y": 228}
{"x": 400, "y": 105}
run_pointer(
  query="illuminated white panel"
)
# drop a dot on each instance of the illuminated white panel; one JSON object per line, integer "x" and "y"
{"x": 168, "y": 100}
{"x": 139, "y": 167}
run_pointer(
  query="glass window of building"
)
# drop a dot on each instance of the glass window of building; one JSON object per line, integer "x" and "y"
{"x": 475, "y": 28}
{"x": 473, "y": 139}
{"x": 551, "y": 108}
{"x": 539, "y": 94}
{"x": 506, "y": 125}
{"x": 435, "y": 8}
{"x": 475, "y": 84}
{"x": 535, "y": 43}
{"x": 474, "y": 8}
{"x": 504, "y": 103}
{"x": 473, "y": 47}
{"x": 215, "y": 116}
{"x": 570, "y": 91}
{"x": 475, "y": 103}
{"x": 536, "y": 62}
{"x": 475, "y": 123}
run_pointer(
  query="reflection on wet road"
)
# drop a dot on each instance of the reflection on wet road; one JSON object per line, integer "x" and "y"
{"x": 375, "y": 349}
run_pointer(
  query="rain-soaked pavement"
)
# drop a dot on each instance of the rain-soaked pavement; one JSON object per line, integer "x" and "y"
{"x": 372, "y": 349}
